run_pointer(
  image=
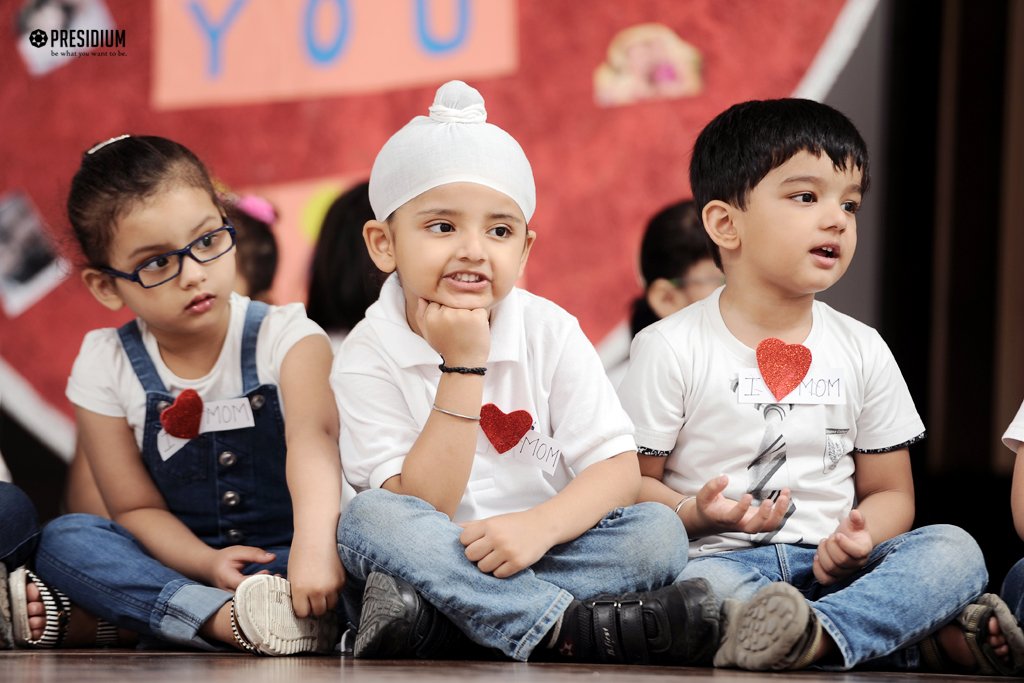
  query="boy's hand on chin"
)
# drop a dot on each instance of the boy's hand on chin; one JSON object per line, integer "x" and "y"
{"x": 462, "y": 336}
{"x": 506, "y": 544}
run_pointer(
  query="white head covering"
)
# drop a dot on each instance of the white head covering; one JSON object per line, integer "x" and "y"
{"x": 454, "y": 144}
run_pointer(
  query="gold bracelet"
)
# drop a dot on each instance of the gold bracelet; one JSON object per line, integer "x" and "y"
{"x": 448, "y": 412}
{"x": 683, "y": 501}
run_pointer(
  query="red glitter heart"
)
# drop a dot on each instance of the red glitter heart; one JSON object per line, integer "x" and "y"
{"x": 504, "y": 430}
{"x": 182, "y": 418}
{"x": 783, "y": 366}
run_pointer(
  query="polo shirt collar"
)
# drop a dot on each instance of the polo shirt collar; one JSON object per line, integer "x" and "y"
{"x": 408, "y": 349}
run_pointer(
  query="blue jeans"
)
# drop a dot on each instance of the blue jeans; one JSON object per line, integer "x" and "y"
{"x": 638, "y": 548}
{"x": 912, "y": 584}
{"x": 1013, "y": 590}
{"x": 19, "y": 528}
{"x": 104, "y": 570}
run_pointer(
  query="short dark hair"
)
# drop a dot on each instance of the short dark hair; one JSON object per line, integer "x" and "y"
{"x": 115, "y": 177}
{"x": 672, "y": 244}
{"x": 748, "y": 140}
{"x": 343, "y": 280}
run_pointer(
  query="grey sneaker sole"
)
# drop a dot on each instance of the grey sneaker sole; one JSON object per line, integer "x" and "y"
{"x": 768, "y": 632}
{"x": 263, "y": 608}
{"x": 385, "y": 621}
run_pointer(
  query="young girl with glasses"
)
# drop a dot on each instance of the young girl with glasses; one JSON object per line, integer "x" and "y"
{"x": 182, "y": 418}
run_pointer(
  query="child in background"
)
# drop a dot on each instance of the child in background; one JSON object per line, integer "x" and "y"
{"x": 1013, "y": 585}
{"x": 253, "y": 219}
{"x": 676, "y": 269}
{"x": 181, "y": 414}
{"x": 798, "y": 502}
{"x": 458, "y": 530}
{"x": 675, "y": 264}
{"x": 343, "y": 281}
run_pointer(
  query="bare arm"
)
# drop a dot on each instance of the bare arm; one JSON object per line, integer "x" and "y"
{"x": 1017, "y": 492}
{"x": 885, "y": 493}
{"x": 133, "y": 499}
{"x": 438, "y": 465}
{"x": 506, "y": 544}
{"x": 314, "y": 476}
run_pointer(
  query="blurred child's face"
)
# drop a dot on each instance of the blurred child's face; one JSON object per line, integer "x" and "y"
{"x": 799, "y": 230}
{"x": 196, "y": 301}
{"x": 461, "y": 245}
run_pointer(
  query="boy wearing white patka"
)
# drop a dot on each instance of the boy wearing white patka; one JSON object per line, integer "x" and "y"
{"x": 778, "y": 428}
{"x": 497, "y": 470}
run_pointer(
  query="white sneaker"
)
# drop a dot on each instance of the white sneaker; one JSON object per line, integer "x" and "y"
{"x": 264, "y": 619}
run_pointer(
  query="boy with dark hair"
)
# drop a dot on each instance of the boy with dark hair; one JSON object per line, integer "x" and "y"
{"x": 778, "y": 428}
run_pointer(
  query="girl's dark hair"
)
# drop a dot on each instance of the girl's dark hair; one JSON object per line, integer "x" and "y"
{"x": 343, "y": 281}
{"x": 114, "y": 177}
{"x": 673, "y": 242}
{"x": 747, "y": 141}
{"x": 256, "y": 249}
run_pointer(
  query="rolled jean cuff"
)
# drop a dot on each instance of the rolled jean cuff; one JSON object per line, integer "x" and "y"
{"x": 181, "y": 610}
{"x": 543, "y": 626}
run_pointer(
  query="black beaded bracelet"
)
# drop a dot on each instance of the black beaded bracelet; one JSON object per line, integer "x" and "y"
{"x": 462, "y": 370}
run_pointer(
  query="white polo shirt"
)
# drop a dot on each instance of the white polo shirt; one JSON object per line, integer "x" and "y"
{"x": 681, "y": 390}
{"x": 385, "y": 379}
{"x": 1014, "y": 435}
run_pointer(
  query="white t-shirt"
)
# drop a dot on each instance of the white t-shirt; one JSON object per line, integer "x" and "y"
{"x": 5, "y": 474}
{"x": 385, "y": 378}
{"x": 103, "y": 381}
{"x": 681, "y": 392}
{"x": 1014, "y": 435}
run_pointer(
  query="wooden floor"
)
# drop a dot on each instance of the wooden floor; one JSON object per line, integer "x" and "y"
{"x": 91, "y": 666}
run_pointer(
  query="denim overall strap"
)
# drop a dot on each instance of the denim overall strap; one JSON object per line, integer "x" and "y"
{"x": 131, "y": 340}
{"x": 250, "y": 332}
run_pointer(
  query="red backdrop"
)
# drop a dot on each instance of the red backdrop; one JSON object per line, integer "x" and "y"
{"x": 601, "y": 172}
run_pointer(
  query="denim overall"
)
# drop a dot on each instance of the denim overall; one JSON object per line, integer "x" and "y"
{"x": 228, "y": 487}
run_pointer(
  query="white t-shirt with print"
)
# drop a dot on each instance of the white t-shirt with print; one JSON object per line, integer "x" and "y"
{"x": 385, "y": 378}
{"x": 682, "y": 392}
{"x": 103, "y": 381}
{"x": 1014, "y": 435}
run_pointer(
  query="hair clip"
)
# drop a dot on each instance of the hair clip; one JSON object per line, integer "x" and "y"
{"x": 256, "y": 207}
{"x": 109, "y": 141}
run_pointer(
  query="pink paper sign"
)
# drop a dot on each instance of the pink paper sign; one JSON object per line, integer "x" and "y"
{"x": 210, "y": 52}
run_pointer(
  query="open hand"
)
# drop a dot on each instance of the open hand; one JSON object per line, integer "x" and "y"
{"x": 843, "y": 552}
{"x": 505, "y": 544}
{"x": 715, "y": 513}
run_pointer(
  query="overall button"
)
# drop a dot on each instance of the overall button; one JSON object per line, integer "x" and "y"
{"x": 235, "y": 536}
{"x": 231, "y": 498}
{"x": 227, "y": 459}
{"x": 257, "y": 401}
{"x": 163, "y": 405}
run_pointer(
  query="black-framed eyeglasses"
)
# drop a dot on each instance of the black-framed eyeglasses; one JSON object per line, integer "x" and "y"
{"x": 164, "y": 268}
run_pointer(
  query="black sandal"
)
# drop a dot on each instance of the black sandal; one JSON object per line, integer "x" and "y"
{"x": 973, "y": 622}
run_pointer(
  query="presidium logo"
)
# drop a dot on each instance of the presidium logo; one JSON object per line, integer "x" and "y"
{"x": 67, "y": 43}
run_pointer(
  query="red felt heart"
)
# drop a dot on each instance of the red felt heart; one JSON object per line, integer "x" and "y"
{"x": 783, "y": 366}
{"x": 504, "y": 430}
{"x": 182, "y": 418}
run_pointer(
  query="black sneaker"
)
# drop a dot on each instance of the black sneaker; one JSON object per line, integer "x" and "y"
{"x": 396, "y": 623}
{"x": 676, "y": 625}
